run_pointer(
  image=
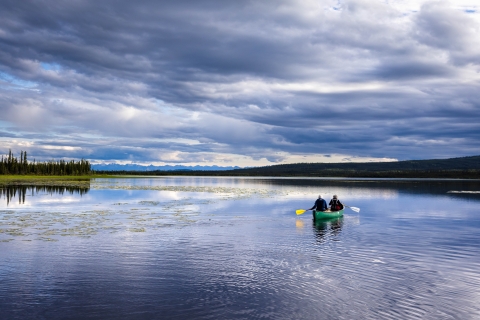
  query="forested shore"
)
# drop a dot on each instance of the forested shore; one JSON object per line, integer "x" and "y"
{"x": 454, "y": 168}
{"x": 11, "y": 165}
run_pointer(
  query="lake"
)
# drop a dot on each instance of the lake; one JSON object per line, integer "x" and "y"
{"x": 233, "y": 248}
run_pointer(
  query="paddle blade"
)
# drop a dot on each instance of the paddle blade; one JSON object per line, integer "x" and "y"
{"x": 355, "y": 209}
{"x": 300, "y": 211}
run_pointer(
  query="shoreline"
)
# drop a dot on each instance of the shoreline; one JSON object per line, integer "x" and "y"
{"x": 82, "y": 181}
{"x": 19, "y": 180}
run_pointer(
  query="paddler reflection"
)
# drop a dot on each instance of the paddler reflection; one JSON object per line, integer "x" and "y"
{"x": 299, "y": 224}
{"x": 327, "y": 229}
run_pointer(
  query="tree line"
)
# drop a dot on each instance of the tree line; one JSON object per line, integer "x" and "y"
{"x": 9, "y": 164}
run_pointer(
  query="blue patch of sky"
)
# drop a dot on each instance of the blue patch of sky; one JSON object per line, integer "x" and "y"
{"x": 50, "y": 66}
{"x": 336, "y": 7}
{"x": 166, "y": 108}
{"x": 5, "y": 127}
{"x": 470, "y": 11}
{"x": 16, "y": 81}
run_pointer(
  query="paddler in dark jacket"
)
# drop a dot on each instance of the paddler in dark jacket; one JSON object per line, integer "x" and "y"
{"x": 320, "y": 205}
{"x": 335, "y": 204}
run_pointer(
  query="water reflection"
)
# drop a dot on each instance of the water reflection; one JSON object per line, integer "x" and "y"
{"x": 299, "y": 224}
{"x": 467, "y": 188}
{"x": 325, "y": 229}
{"x": 11, "y": 192}
{"x": 234, "y": 249}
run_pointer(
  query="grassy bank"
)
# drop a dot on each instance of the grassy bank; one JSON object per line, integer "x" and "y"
{"x": 40, "y": 180}
{"x": 10, "y": 177}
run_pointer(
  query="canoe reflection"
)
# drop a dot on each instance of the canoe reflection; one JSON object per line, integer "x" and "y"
{"x": 324, "y": 229}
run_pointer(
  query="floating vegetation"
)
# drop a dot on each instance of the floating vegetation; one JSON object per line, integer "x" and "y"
{"x": 138, "y": 216}
{"x": 48, "y": 239}
{"x": 227, "y": 192}
{"x": 468, "y": 192}
{"x": 52, "y": 226}
{"x": 152, "y": 203}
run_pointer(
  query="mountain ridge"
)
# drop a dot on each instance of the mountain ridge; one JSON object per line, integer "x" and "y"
{"x": 138, "y": 167}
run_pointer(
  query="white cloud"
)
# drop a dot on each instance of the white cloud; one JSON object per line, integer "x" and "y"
{"x": 242, "y": 83}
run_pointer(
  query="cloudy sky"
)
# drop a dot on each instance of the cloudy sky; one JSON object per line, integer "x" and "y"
{"x": 246, "y": 83}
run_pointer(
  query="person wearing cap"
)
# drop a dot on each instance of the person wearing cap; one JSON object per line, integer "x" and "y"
{"x": 320, "y": 205}
{"x": 335, "y": 204}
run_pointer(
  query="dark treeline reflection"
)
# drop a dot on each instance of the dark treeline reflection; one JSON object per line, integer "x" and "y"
{"x": 12, "y": 192}
{"x": 411, "y": 186}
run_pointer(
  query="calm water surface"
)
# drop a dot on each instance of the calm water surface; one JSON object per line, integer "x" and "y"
{"x": 233, "y": 248}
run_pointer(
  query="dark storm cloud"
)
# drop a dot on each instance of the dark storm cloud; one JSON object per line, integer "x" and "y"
{"x": 399, "y": 70}
{"x": 7, "y": 134}
{"x": 185, "y": 80}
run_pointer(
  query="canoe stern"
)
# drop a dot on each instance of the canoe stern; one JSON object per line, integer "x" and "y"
{"x": 319, "y": 215}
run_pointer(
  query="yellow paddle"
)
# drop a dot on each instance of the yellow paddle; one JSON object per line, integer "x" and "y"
{"x": 300, "y": 211}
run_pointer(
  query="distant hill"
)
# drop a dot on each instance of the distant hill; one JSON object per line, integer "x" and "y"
{"x": 137, "y": 167}
{"x": 308, "y": 169}
{"x": 466, "y": 167}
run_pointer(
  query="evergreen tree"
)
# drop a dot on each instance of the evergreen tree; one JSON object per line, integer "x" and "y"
{"x": 11, "y": 165}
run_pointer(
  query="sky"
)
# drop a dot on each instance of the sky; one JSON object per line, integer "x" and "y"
{"x": 239, "y": 83}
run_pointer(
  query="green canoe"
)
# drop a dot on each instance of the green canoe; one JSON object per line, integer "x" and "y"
{"x": 322, "y": 215}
